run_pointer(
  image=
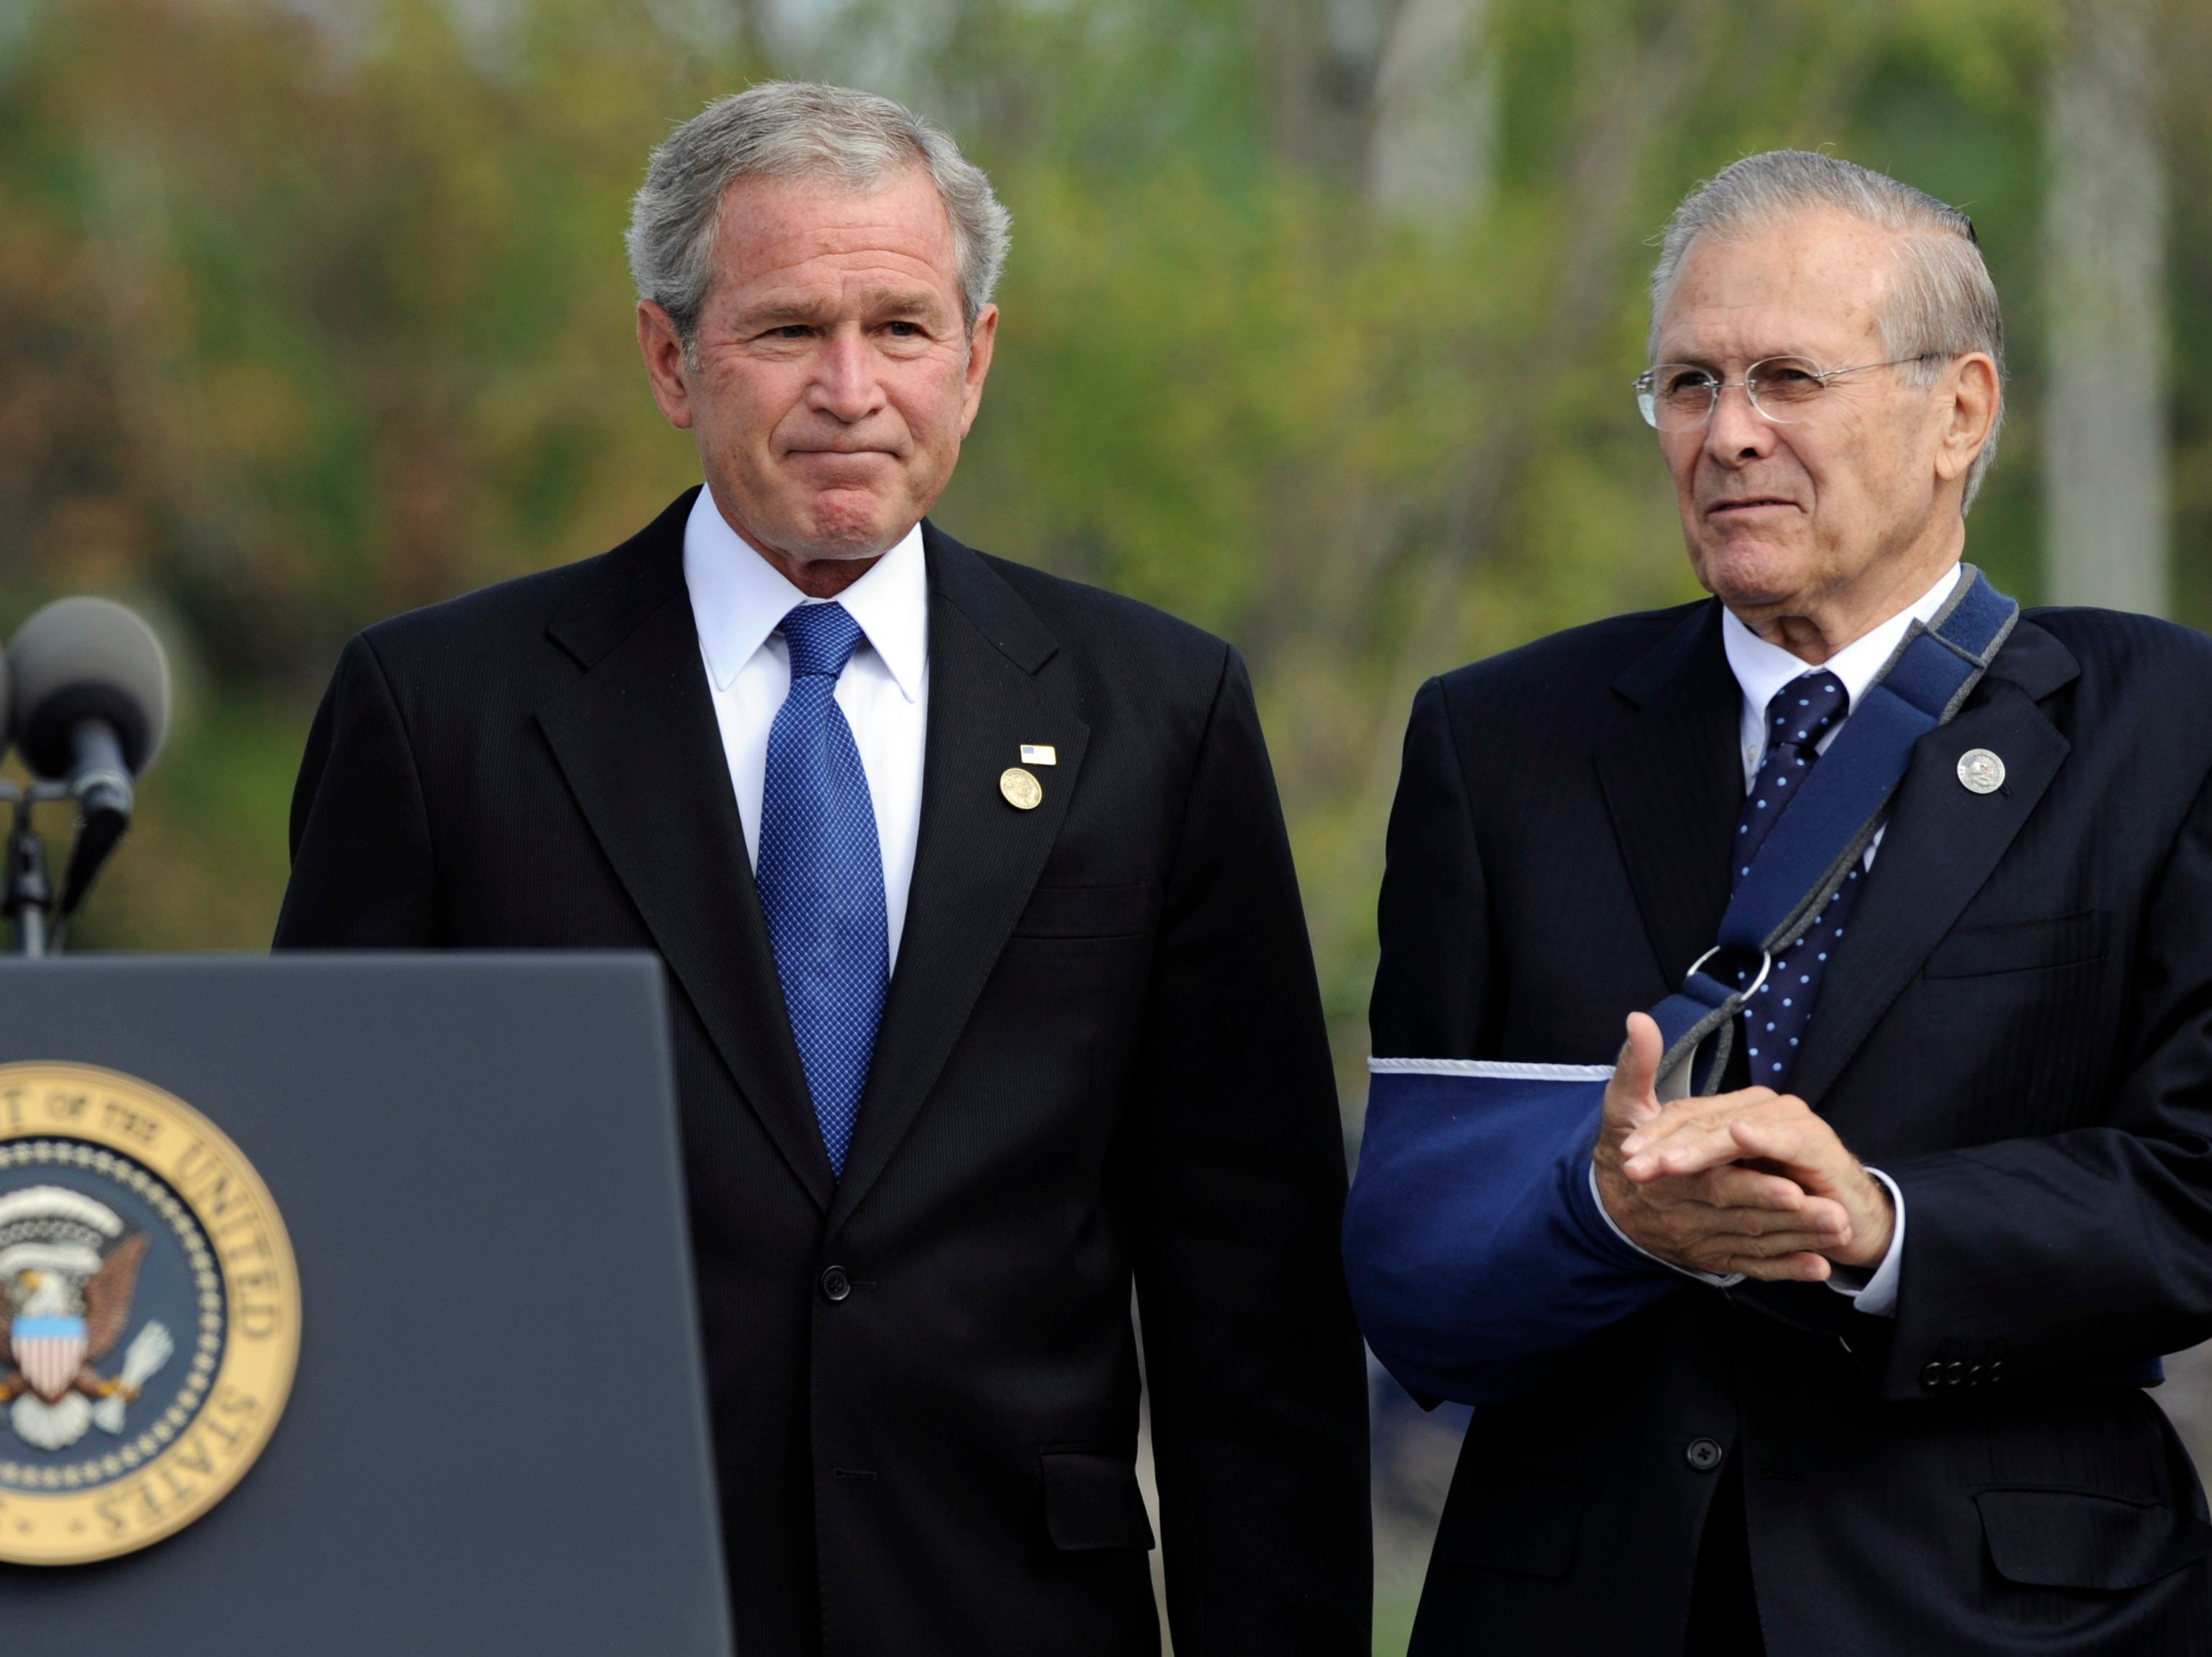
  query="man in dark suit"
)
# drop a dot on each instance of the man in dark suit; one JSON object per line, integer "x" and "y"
{"x": 1913, "y": 1262}
{"x": 991, "y": 991}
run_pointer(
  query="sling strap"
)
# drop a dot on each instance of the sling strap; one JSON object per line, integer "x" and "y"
{"x": 1825, "y": 830}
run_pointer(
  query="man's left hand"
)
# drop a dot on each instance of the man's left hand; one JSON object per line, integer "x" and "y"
{"x": 1779, "y": 1135}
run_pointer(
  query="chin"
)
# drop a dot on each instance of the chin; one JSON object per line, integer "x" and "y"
{"x": 1749, "y": 574}
{"x": 850, "y": 528}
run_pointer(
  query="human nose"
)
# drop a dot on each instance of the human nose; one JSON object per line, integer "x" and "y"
{"x": 845, "y": 384}
{"x": 1735, "y": 430}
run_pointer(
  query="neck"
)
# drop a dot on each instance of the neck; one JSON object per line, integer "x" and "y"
{"x": 1814, "y": 630}
{"x": 818, "y": 577}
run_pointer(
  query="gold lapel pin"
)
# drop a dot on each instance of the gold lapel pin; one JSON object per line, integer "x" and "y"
{"x": 1040, "y": 753}
{"x": 1022, "y": 791}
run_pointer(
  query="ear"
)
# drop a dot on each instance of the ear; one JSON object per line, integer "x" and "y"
{"x": 1969, "y": 396}
{"x": 980, "y": 340}
{"x": 662, "y": 347}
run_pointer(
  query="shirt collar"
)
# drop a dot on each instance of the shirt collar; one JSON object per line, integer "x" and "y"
{"x": 739, "y": 600}
{"x": 1762, "y": 669}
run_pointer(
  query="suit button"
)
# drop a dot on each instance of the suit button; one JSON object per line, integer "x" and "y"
{"x": 1931, "y": 1376}
{"x": 1703, "y": 1454}
{"x": 836, "y": 1285}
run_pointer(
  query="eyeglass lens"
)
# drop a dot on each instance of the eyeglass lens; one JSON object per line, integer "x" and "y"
{"x": 1682, "y": 395}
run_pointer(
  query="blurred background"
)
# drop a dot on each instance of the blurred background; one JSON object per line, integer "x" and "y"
{"x": 1318, "y": 331}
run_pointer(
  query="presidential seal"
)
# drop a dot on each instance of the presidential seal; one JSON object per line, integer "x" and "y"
{"x": 149, "y": 1315}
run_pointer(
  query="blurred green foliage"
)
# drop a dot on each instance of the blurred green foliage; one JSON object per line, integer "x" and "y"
{"x": 311, "y": 312}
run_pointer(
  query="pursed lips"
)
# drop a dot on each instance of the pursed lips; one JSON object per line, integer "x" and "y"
{"x": 1749, "y": 503}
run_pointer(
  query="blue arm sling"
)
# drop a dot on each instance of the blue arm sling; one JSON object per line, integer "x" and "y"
{"x": 1475, "y": 1248}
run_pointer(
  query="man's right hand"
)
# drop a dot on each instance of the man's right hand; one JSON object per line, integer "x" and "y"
{"x": 1726, "y": 1220}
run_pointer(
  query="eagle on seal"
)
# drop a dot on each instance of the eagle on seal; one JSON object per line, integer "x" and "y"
{"x": 68, "y": 1270}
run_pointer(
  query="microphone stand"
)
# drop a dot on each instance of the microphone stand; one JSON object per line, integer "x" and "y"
{"x": 28, "y": 898}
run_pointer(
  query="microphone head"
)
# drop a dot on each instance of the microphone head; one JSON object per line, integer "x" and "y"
{"x": 88, "y": 659}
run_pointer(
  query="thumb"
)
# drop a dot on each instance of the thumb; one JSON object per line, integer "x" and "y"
{"x": 1632, "y": 1095}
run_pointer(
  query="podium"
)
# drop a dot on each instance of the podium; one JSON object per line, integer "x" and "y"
{"x": 496, "y": 1439}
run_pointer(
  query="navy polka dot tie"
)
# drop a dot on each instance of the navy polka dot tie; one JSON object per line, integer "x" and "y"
{"x": 1800, "y": 715}
{"x": 821, "y": 875}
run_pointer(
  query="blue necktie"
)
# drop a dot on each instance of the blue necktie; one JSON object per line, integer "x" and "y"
{"x": 821, "y": 875}
{"x": 1803, "y": 713}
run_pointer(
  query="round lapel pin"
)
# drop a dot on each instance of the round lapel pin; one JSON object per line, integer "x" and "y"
{"x": 1022, "y": 791}
{"x": 1983, "y": 772}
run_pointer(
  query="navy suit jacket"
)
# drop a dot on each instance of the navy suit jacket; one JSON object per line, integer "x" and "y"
{"x": 2018, "y": 1029}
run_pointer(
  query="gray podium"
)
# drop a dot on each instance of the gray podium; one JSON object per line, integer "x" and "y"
{"x": 497, "y": 1442}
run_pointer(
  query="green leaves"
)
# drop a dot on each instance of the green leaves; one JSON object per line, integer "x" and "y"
{"x": 304, "y": 323}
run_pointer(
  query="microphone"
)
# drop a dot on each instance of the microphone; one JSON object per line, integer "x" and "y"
{"x": 91, "y": 705}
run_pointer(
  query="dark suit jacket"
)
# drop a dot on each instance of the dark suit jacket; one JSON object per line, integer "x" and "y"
{"x": 2017, "y": 1028}
{"x": 1102, "y": 1054}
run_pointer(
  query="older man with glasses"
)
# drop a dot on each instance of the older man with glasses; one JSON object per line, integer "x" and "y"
{"x": 1831, "y": 1332}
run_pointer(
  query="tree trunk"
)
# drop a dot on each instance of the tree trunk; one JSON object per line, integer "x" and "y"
{"x": 2105, "y": 431}
{"x": 1436, "y": 99}
{"x": 1320, "y": 59}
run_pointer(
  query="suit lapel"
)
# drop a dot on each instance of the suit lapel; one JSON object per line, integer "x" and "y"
{"x": 978, "y": 857}
{"x": 1941, "y": 844}
{"x": 1674, "y": 783}
{"x": 635, "y": 736}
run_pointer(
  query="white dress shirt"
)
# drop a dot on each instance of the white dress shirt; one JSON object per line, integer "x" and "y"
{"x": 1761, "y": 669}
{"x": 737, "y": 601}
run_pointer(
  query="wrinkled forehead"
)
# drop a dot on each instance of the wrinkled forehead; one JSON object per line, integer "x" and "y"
{"x": 1812, "y": 284}
{"x": 784, "y": 227}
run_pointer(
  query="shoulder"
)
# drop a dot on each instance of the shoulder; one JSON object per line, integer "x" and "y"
{"x": 489, "y": 618}
{"x": 1582, "y": 665}
{"x": 1115, "y": 647}
{"x": 1091, "y": 618}
{"x": 586, "y": 608}
{"x": 2125, "y": 684}
{"x": 2117, "y": 646}
{"x": 1150, "y": 688}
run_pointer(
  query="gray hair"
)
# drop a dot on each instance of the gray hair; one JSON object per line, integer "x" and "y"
{"x": 797, "y": 129}
{"x": 1944, "y": 304}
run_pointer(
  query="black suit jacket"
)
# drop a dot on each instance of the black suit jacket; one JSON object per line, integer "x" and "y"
{"x": 1102, "y": 1054}
{"x": 2017, "y": 1028}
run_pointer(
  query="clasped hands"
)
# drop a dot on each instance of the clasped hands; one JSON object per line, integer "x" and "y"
{"x": 1750, "y": 1182}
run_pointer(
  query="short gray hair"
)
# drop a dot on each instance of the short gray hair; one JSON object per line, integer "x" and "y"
{"x": 797, "y": 129}
{"x": 1944, "y": 305}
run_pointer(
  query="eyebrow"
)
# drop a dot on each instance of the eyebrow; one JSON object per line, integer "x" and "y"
{"x": 895, "y": 303}
{"x": 1712, "y": 365}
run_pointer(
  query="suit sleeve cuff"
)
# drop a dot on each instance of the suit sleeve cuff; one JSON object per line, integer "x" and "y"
{"x": 1875, "y": 1292}
{"x": 1706, "y": 1277}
